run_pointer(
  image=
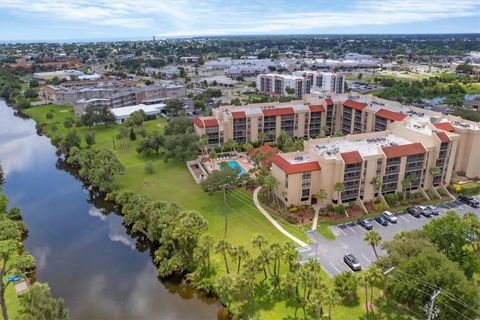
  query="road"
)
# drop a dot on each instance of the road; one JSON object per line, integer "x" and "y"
{"x": 349, "y": 238}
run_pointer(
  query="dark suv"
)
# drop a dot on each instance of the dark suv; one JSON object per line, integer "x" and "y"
{"x": 469, "y": 200}
{"x": 414, "y": 211}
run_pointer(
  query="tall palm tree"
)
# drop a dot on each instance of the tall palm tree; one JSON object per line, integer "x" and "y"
{"x": 331, "y": 297}
{"x": 270, "y": 183}
{"x": 223, "y": 247}
{"x": 375, "y": 276}
{"x": 339, "y": 187}
{"x": 373, "y": 238}
{"x": 364, "y": 281}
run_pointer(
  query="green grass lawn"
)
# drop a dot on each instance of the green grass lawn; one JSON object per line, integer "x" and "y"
{"x": 171, "y": 181}
{"x": 13, "y": 304}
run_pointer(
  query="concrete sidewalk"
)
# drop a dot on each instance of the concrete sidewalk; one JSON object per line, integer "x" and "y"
{"x": 273, "y": 221}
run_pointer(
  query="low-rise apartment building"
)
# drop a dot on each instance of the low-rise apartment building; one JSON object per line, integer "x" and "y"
{"x": 302, "y": 82}
{"x": 377, "y": 138}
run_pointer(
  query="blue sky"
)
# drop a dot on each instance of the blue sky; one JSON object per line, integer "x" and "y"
{"x": 97, "y": 19}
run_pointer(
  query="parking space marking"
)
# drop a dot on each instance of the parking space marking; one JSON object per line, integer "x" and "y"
{"x": 341, "y": 230}
{"x": 336, "y": 269}
{"x": 366, "y": 258}
{"x": 404, "y": 218}
{"x": 350, "y": 228}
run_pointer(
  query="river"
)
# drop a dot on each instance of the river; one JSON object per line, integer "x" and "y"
{"x": 84, "y": 252}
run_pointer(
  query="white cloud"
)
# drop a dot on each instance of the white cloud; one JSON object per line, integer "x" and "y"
{"x": 214, "y": 17}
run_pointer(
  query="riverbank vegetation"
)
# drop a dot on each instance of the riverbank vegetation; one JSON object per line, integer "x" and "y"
{"x": 37, "y": 303}
{"x": 255, "y": 275}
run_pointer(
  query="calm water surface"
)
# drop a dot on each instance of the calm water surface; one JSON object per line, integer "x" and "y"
{"x": 82, "y": 251}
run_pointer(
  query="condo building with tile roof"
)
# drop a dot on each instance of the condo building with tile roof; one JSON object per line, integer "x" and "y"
{"x": 377, "y": 138}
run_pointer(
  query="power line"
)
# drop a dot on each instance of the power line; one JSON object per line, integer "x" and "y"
{"x": 429, "y": 295}
{"x": 444, "y": 293}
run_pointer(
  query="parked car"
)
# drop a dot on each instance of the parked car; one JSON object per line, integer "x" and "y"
{"x": 390, "y": 216}
{"x": 366, "y": 223}
{"x": 434, "y": 210}
{"x": 425, "y": 211}
{"x": 469, "y": 200}
{"x": 352, "y": 262}
{"x": 414, "y": 211}
{"x": 381, "y": 220}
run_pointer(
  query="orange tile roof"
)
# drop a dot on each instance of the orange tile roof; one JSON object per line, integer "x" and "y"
{"x": 239, "y": 115}
{"x": 404, "y": 150}
{"x": 442, "y": 136}
{"x": 447, "y": 126}
{"x": 329, "y": 102}
{"x": 316, "y": 108}
{"x": 278, "y": 112}
{"x": 205, "y": 122}
{"x": 210, "y": 123}
{"x": 265, "y": 148}
{"x": 198, "y": 122}
{"x": 351, "y": 157}
{"x": 390, "y": 115}
{"x": 355, "y": 104}
{"x": 290, "y": 168}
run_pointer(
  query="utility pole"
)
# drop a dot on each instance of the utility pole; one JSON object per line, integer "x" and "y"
{"x": 385, "y": 274}
{"x": 431, "y": 309}
{"x": 225, "y": 207}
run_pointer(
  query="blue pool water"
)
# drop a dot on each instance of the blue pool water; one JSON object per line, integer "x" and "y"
{"x": 235, "y": 165}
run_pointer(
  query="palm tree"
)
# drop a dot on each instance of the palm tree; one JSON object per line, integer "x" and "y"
{"x": 407, "y": 184}
{"x": 203, "y": 144}
{"x": 259, "y": 241}
{"x": 331, "y": 297}
{"x": 291, "y": 255}
{"x": 376, "y": 183}
{"x": 270, "y": 183}
{"x": 375, "y": 276}
{"x": 339, "y": 187}
{"x": 321, "y": 196}
{"x": 435, "y": 172}
{"x": 363, "y": 280}
{"x": 373, "y": 238}
{"x": 242, "y": 253}
{"x": 223, "y": 247}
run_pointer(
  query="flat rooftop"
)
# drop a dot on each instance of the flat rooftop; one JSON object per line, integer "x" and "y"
{"x": 365, "y": 146}
{"x": 127, "y": 111}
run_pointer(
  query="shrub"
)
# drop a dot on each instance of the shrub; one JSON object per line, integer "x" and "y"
{"x": 379, "y": 206}
{"x": 442, "y": 192}
{"x": 470, "y": 188}
{"x": 340, "y": 209}
{"x": 49, "y": 115}
{"x": 391, "y": 199}
{"x": 293, "y": 210}
{"x": 149, "y": 168}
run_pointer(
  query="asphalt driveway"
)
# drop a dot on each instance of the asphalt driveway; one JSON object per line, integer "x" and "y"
{"x": 349, "y": 238}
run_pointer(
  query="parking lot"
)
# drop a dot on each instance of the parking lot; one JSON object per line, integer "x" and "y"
{"x": 349, "y": 238}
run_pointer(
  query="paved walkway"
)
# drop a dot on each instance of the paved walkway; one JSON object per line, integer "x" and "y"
{"x": 316, "y": 207}
{"x": 273, "y": 221}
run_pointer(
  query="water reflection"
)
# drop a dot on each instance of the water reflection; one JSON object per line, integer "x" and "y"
{"x": 83, "y": 251}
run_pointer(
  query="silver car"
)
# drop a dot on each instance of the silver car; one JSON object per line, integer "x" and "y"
{"x": 390, "y": 216}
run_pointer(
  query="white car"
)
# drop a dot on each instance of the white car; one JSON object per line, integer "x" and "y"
{"x": 390, "y": 216}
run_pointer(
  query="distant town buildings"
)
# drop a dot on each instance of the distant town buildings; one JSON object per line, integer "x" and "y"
{"x": 242, "y": 67}
{"x": 348, "y": 62}
{"x": 112, "y": 93}
{"x": 66, "y": 74}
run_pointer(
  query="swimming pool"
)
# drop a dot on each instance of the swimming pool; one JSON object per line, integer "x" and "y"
{"x": 235, "y": 165}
